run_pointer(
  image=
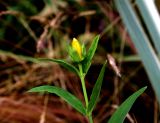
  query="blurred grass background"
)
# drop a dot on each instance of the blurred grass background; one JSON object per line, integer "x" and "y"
{"x": 31, "y": 29}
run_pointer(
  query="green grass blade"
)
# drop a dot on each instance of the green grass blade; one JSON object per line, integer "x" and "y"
{"x": 68, "y": 97}
{"x": 38, "y": 60}
{"x": 62, "y": 63}
{"x": 19, "y": 57}
{"x": 96, "y": 90}
{"x": 121, "y": 112}
{"x": 141, "y": 42}
{"x": 87, "y": 61}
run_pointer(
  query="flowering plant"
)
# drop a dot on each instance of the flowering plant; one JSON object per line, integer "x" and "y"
{"x": 78, "y": 54}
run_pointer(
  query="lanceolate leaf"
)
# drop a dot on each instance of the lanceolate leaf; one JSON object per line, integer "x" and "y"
{"x": 68, "y": 97}
{"x": 121, "y": 112}
{"x": 62, "y": 63}
{"x": 87, "y": 61}
{"x": 96, "y": 90}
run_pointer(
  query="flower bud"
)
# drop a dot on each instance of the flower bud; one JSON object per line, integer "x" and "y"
{"x": 77, "y": 47}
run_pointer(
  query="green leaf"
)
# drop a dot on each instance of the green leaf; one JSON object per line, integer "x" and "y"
{"x": 74, "y": 55}
{"x": 121, "y": 112}
{"x": 83, "y": 51}
{"x": 87, "y": 61}
{"x": 68, "y": 97}
{"x": 62, "y": 63}
{"x": 96, "y": 90}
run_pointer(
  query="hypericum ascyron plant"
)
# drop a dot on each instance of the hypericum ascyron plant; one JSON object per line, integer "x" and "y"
{"x": 82, "y": 60}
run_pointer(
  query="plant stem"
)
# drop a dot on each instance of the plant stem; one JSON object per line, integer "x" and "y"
{"x": 90, "y": 118}
{"x": 82, "y": 76}
{"x": 83, "y": 85}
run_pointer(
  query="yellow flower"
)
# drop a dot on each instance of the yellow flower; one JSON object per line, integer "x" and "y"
{"x": 77, "y": 47}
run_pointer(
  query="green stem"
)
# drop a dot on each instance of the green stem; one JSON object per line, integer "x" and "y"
{"x": 83, "y": 85}
{"x": 82, "y": 76}
{"x": 90, "y": 118}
